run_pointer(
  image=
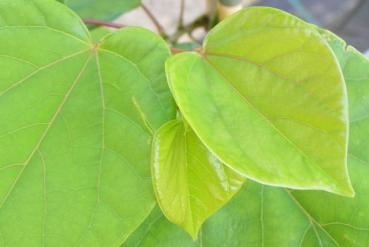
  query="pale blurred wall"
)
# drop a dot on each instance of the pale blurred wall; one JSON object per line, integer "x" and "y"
{"x": 332, "y": 14}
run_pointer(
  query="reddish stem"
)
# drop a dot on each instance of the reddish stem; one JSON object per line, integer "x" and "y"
{"x": 102, "y": 23}
{"x": 178, "y": 50}
{"x": 156, "y": 23}
{"x": 116, "y": 25}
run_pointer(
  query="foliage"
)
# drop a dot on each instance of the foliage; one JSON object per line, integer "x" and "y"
{"x": 261, "y": 215}
{"x": 102, "y": 9}
{"x": 180, "y": 164}
{"x": 107, "y": 140}
{"x": 75, "y": 151}
{"x": 282, "y": 108}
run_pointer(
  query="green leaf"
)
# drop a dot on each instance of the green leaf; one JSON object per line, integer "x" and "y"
{"x": 157, "y": 231}
{"x": 190, "y": 183}
{"x": 76, "y": 123}
{"x": 187, "y": 45}
{"x": 265, "y": 216}
{"x": 102, "y": 9}
{"x": 267, "y": 96}
{"x": 99, "y": 33}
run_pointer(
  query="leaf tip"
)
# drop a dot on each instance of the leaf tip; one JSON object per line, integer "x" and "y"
{"x": 345, "y": 190}
{"x": 193, "y": 231}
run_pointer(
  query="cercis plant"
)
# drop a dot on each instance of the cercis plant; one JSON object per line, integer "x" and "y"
{"x": 100, "y": 140}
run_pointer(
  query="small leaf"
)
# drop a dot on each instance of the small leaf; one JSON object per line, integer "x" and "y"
{"x": 102, "y": 9}
{"x": 267, "y": 96}
{"x": 76, "y": 123}
{"x": 190, "y": 183}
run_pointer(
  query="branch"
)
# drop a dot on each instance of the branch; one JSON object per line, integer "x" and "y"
{"x": 228, "y": 7}
{"x": 181, "y": 14}
{"x": 102, "y": 23}
{"x": 116, "y": 25}
{"x": 201, "y": 21}
{"x": 158, "y": 26}
{"x": 178, "y": 50}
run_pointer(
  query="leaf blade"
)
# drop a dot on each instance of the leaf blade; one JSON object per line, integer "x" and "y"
{"x": 180, "y": 165}
{"x": 264, "y": 106}
{"x": 63, "y": 114}
{"x": 314, "y": 218}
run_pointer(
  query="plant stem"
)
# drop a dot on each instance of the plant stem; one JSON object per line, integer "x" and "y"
{"x": 177, "y": 50}
{"x": 228, "y": 7}
{"x": 230, "y": 2}
{"x": 102, "y": 23}
{"x": 201, "y": 21}
{"x": 158, "y": 26}
{"x": 181, "y": 14}
{"x": 116, "y": 25}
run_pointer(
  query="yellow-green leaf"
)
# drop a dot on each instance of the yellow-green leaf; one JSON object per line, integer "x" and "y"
{"x": 268, "y": 98}
{"x": 190, "y": 183}
{"x": 276, "y": 217}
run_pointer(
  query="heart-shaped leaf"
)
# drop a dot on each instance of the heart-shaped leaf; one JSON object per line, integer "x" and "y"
{"x": 267, "y": 96}
{"x": 190, "y": 183}
{"x": 76, "y": 123}
{"x": 102, "y": 9}
{"x": 265, "y": 216}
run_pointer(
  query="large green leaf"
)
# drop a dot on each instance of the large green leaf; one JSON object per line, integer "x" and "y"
{"x": 190, "y": 183}
{"x": 267, "y": 96}
{"x": 76, "y": 124}
{"x": 102, "y": 9}
{"x": 260, "y": 215}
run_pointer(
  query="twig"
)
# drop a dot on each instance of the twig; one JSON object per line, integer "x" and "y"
{"x": 201, "y": 21}
{"x": 102, "y": 23}
{"x": 228, "y": 7}
{"x": 158, "y": 26}
{"x": 116, "y": 25}
{"x": 181, "y": 14}
{"x": 178, "y": 50}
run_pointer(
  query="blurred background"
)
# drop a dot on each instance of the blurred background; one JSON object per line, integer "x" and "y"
{"x": 347, "y": 18}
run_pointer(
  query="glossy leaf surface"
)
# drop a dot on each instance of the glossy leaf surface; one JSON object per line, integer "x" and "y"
{"x": 260, "y": 215}
{"x": 190, "y": 183}
{"x": 102, "y": 9}
{"x": 75, "y": 131}
{"x": 267, "y": 96}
